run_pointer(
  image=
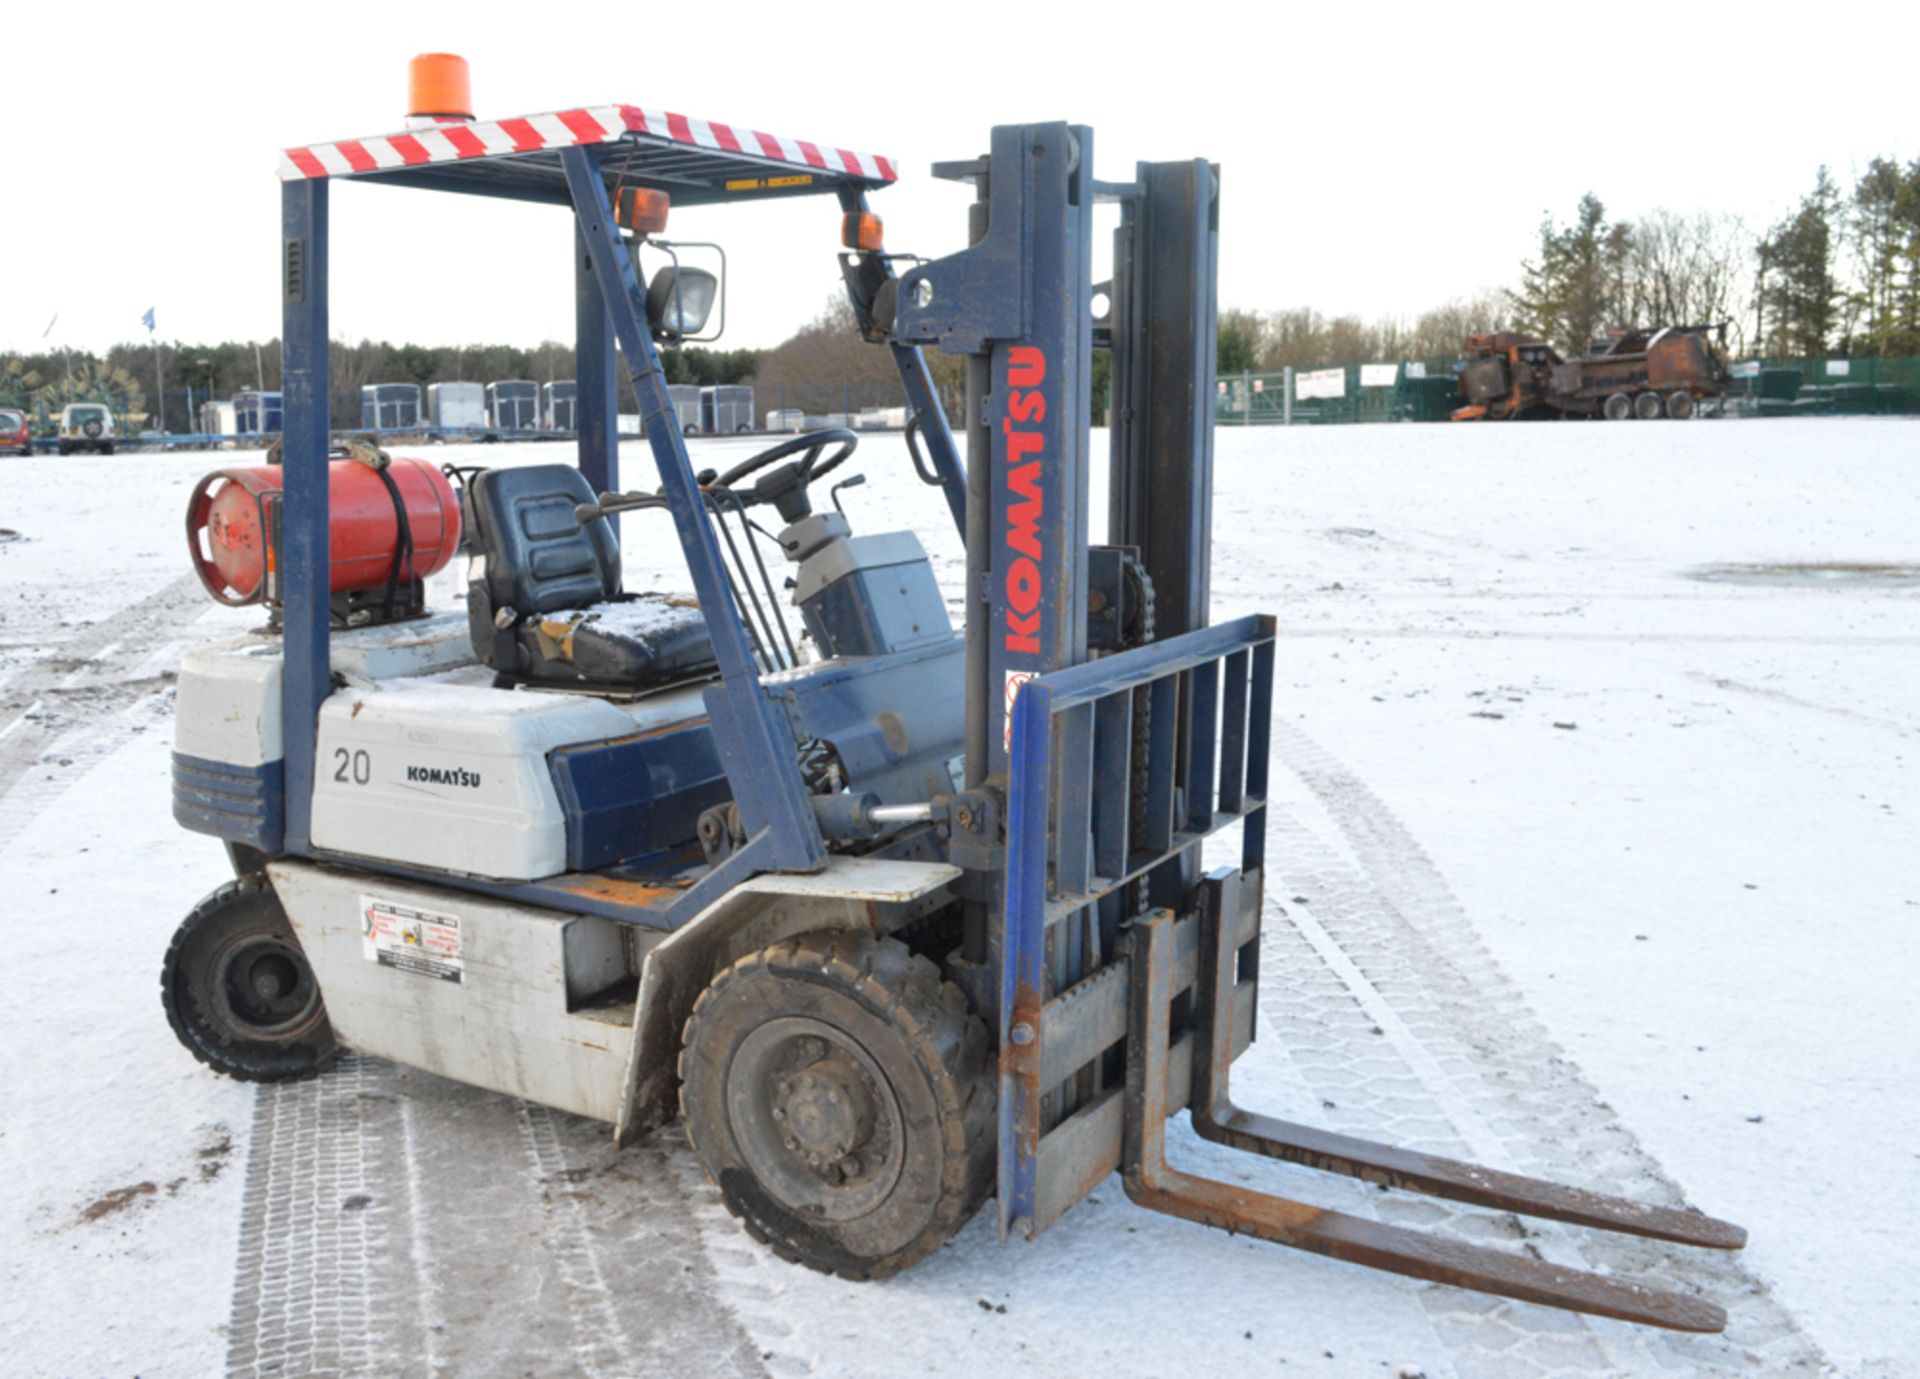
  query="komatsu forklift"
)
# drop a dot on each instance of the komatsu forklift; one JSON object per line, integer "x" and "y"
{"x": 893, "y": 917}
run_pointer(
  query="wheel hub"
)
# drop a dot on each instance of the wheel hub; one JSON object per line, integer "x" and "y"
{"x": 813, "y": 1115}
{"x": 828, "y": 1110}
{"x": 264, "y": 986}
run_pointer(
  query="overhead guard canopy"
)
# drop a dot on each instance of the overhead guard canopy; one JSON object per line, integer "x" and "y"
{"x": 696, "y": 162}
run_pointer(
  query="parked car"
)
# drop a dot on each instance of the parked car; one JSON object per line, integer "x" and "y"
{"x": 86, "y": 426}
{"x": 14, "y": 435}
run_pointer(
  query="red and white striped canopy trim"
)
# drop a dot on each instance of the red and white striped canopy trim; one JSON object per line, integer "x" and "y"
{"x": 594, "y": 124}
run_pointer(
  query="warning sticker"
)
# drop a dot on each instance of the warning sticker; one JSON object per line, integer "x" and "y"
{"x": 426, "y": 942}
{"x": 757, "y": 184}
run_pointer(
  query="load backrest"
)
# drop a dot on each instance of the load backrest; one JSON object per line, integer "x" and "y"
{"x": 540, "y": 559}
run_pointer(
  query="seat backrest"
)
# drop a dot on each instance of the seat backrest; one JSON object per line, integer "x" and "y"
{"x": 540, "y": 559}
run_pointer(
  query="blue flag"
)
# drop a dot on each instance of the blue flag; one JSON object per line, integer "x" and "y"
{"x": 148, "y": 319}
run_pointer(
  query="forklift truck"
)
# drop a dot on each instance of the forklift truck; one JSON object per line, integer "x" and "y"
{"x": 894, "y": 917}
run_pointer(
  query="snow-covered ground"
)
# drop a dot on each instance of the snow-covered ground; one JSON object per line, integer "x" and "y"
{"x": 1593, "y": 856}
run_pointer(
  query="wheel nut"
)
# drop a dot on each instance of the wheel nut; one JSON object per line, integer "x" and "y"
{"x": 779, "y": 1113}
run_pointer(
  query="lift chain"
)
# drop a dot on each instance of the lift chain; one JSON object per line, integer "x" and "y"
{"x": 1138, "y": 632}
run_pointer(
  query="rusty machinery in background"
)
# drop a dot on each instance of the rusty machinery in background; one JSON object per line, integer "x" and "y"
{"x": 1646, "y": 374}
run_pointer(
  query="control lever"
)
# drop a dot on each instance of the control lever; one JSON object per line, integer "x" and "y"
{"x": 611, "y": 503}
{"x": 852, "y": 481}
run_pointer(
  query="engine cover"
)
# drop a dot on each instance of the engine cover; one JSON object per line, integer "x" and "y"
{"x": 455, "y": 777}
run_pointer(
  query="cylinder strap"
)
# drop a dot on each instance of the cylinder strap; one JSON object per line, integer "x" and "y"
{"x": 403, "y": 547}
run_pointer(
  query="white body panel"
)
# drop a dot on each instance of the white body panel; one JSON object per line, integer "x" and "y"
{"x": 228, "y": 706}
{"x": 504, "y": 1023}
{"x": 227, "y": 703}
{"x": 450, "y": 776}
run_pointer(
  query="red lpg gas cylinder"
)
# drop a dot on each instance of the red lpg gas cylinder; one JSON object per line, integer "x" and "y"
{"x": 227, "y": 526}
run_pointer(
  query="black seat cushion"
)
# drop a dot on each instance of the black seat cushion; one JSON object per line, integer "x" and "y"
{"x": 546, "y": 603}
{"x": 643, "y": 639}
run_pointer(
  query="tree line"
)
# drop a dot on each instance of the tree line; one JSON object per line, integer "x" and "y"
{"x": 1839, "y": 273}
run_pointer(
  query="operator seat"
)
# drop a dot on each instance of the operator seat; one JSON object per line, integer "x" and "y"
{"x": 544, "y": 604}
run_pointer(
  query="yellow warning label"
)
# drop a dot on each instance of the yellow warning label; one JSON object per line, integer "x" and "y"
{"x": 755, "y": 184}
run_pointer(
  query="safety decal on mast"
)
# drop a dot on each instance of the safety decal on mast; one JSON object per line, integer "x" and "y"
{"x": 424, "y": 942}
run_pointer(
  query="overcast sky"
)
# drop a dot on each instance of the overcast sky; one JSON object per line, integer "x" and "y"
{"x": 1375, "y": 158}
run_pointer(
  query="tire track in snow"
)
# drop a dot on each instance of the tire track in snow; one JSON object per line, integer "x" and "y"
{"x": 495, "y": 1238}
{"x": 85, "y": 697}
{"x": 1785, "y": 699}
{"x": 95, "y": 650}
{"x": 39, "y": 764}
{"x": 600, "y": 1342}
{"x": 309, "y": 1234}
{"x": 1397, "y": 1016}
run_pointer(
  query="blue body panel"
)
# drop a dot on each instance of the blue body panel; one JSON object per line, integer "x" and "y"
{"x": 240, "y": 804}
{"x": 636, "y": 799}
{"x": 894, "y": 721}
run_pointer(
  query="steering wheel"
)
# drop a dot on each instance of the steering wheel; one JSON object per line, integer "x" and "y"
{"x": 779, "y": 487}
{"x": 785, "y": 488}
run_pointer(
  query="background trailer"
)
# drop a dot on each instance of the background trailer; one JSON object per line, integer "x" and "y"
{"x": 457, "y": 405}
{"x": 390, "y": 407}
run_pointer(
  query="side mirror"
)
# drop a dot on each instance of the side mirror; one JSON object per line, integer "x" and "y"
{"x": 679, "y": 300}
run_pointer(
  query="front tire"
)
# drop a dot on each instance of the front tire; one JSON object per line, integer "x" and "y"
{"x": 841, "y": 1096}
{"x": 239, "y": 992}
{"x": 1679, "y": 406}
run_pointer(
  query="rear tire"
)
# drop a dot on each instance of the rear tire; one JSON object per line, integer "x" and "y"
{"x": 1618, "y": 407}
{"x": 841, "y": 1096}
{"x": 1679, "y": 406}
{"x": 1647, "y": 406}
{"x": 239, "y": 992}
